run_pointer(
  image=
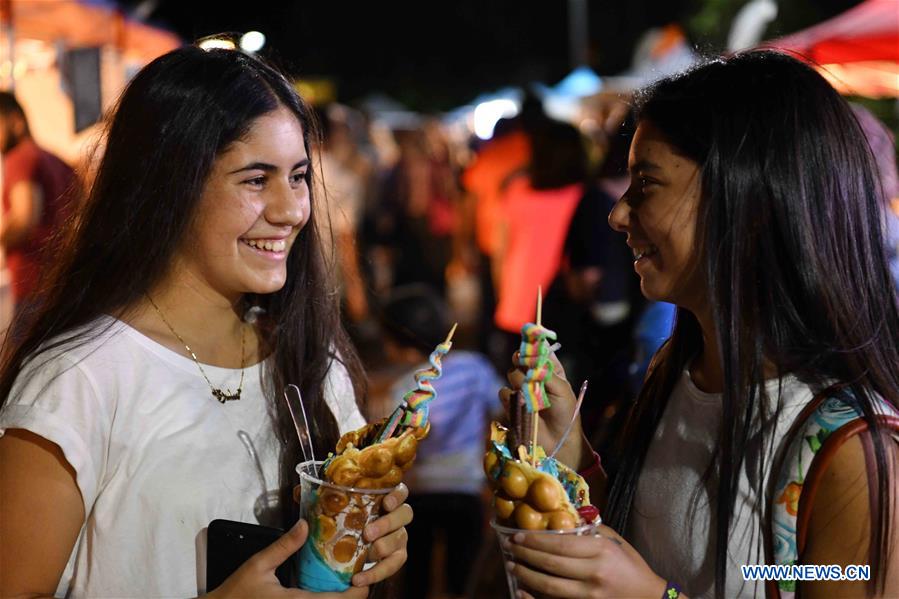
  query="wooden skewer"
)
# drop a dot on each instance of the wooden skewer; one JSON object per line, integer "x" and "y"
{"x": 537, "y": 413}
{"x": 452, "y": 331}
{"x": 539, "y": 305}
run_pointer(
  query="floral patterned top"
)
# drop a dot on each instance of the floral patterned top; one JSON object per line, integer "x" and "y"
{"x": 832, "y": 413}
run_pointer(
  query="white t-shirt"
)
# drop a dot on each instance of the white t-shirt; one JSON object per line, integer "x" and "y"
{"x": 679, "y": 543}
{"x": 155, "y": 455}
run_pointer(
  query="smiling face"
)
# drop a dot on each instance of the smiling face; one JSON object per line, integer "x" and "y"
{"x": 253, "y": 206}
{"x": 658, "y": 212}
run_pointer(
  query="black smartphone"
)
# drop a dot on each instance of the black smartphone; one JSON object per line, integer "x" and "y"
{"x": 230, "y": 544}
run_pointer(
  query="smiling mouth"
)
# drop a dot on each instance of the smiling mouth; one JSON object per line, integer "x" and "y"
{"x": 266, "y": 245}
{"x": 644, "y": 252}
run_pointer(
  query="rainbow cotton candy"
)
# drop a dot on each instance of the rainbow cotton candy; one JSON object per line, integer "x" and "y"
{"x": 534, "y": 353}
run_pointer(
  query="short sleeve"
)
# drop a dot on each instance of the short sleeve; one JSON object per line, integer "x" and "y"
{"x": 55, "y": 399}
{"x": 341, "y": 398}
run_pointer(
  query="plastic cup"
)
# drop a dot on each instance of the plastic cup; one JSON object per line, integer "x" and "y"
{"x": 504, "y": 533}
{"x": 335, "y": 549}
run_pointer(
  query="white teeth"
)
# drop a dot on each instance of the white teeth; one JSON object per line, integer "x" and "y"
{"x": 644, "y": 252}
{"x": 277, "y": 245}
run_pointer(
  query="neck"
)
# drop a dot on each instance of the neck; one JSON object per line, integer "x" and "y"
{"x": 207, "y": 321}
{"x": 707, "y": 371}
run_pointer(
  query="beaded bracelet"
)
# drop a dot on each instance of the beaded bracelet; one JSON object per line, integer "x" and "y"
{"x": 672, "y": 590}
{"x": 594, "y": 467}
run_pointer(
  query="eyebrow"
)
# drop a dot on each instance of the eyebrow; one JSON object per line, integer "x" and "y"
{"x": 643, "y": 165}
{"x": 264, "y": 166}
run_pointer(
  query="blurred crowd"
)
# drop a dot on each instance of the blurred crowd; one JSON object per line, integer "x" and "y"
{"x": 430, "y": 229}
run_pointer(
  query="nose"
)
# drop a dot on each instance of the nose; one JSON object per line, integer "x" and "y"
{"x": 288, "y": 206}
{"x": 620, "y": 216}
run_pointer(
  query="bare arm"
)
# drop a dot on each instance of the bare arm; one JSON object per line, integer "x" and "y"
{"x": 26, "y": 206}
{"x": 839, "y": 528}
{"x": 41, "y": 514}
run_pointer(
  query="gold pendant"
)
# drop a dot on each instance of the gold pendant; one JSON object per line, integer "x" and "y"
{"x": 222, "y": 397}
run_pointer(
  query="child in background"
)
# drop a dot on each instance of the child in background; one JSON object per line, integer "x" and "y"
{"x": 447, "y": 478}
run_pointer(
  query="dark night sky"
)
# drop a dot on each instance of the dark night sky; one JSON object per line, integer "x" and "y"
{"x": 436, "y": 55}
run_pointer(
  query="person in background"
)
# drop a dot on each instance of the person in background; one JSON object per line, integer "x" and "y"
{"x": 508, "y": 151}
{"x": 37, "y": 187}
{"x": 446, "y": 480}
{"x": 538, "y": 204}
{"x": 344, "y": 175}
{"x": 412, "y": 222}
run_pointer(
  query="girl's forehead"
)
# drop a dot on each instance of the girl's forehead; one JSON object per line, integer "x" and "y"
{"x": 649, "y": 143}
{"x": 278, "y": 134}
{"x": 652, "y": 148}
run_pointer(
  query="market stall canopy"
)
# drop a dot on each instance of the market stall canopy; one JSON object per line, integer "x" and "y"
{"x": 81, "y": 24}
{"x": 858, "y": 50}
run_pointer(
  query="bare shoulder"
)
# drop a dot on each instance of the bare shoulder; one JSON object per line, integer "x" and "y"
{"x": 840, "y": 520}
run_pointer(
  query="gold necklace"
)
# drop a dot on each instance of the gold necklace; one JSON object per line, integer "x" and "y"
{"x": 220, "y": 395}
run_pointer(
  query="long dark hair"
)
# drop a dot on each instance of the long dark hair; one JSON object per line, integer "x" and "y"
{"x": 175, "y": 117}
{"x": 789, "y": 234}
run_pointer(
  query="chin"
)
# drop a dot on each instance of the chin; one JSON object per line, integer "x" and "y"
{"x": 266, "y": 289}
{"x": 263, "y": 286}
{"x": 650, "y": 291}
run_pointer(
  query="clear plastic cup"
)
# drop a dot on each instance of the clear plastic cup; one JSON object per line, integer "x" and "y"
{"x": 504, "y": 533}
{"x": 335, "y": 549}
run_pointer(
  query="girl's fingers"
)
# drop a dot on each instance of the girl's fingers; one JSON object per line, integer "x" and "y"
{"x": 565, "y": 567}
{"x": 389, "y": 523}
{"x": 284, "y": 546}
{"x": 604, "y": 531}
{"x": 388, "y": 544}
{"x": 553, "y": 586}
{"x": 505, "y": 396}
{"x": 583, "y": 547}
{"x": 383, "y": 570}
{"x": 516, "y": 377}
{"x": 396, "y": 497}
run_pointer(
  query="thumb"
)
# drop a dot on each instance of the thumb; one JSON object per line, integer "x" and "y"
{"x": 287, "y": 544}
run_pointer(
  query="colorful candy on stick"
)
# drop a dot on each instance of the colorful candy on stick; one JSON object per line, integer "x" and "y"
{"x": 534, "y": 353}
{"x": 413, "y": 412}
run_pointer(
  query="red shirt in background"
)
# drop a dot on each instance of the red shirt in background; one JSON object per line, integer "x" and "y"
{"x": 538, "y": 222}
{"x": 499, "y": 158}
{"x": 27, "y": 162}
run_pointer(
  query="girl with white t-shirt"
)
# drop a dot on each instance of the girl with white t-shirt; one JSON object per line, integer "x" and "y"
{"x": 753, "y": 206}
{"x": 141, "y": 393}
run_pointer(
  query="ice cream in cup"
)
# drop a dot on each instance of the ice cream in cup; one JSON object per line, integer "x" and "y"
{"x": 341, "y": 495}
{"x": 337, "y": 515}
